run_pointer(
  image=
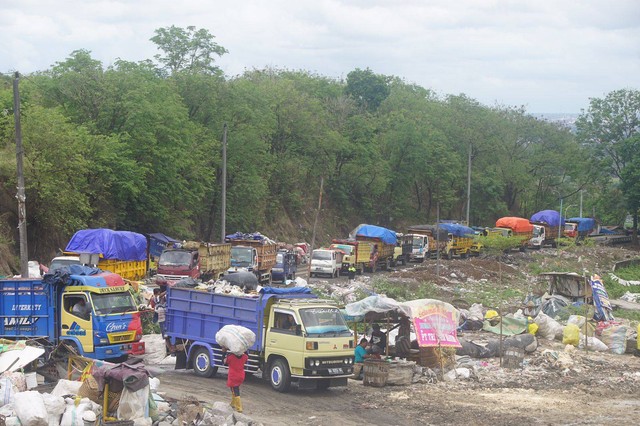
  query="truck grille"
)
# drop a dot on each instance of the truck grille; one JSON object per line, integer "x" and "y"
{"x": 122, "y": 337}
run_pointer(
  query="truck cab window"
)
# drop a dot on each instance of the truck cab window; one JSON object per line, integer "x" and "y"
{"x": 284, "y": 322}
{"x": 78, "y": 306}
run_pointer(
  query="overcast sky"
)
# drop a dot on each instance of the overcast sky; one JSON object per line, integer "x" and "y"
{"x": 547, "y": 55}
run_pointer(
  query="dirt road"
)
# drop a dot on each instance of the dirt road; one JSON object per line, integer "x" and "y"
{"x": 563, "y": 400}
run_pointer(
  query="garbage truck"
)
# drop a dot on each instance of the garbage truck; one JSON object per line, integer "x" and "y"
{"x": 194, "y": 259}
{"x": 90, "y": 310}
{"x": 121, "y": 252}
{"x": 383, "y": 241}
{"x": 299, "y": 338}
{"x": 254, "y": 253}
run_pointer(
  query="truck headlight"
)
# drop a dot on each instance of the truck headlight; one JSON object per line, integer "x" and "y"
{"x": 317, "y": 363}
{"x": 104, "y": 341}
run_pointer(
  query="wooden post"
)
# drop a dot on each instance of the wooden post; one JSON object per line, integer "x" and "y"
{"x": 22, "y": 199}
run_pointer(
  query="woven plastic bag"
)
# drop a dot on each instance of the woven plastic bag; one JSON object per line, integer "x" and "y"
{"x": 235, "y": 338}
{"x": 30, "y": 409}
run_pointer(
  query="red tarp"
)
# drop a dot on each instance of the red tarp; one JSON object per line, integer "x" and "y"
{"x": 516, "y": 224}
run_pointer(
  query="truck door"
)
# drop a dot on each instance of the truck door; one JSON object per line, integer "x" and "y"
{"x": 77, "y": 323}
{"x": 282, "y": 338}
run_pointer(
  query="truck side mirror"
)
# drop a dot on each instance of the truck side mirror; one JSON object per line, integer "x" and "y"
{"x": 298, "y": 330}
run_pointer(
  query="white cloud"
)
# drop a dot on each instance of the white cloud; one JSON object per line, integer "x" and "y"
{"x": 548, "y": 55}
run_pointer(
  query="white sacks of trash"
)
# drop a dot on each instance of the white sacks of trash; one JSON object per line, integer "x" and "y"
{"x": 30, "y": 409}
{"x": 235, "y": 338}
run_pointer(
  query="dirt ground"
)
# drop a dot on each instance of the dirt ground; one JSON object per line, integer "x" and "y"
{"x": 555, "y": 386}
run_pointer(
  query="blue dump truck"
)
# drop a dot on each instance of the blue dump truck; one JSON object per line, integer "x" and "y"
{"x": 299, "y": 338}
{"x": 94, "y": 314}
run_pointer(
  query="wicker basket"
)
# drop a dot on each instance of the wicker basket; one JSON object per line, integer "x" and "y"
{"x": 89, "y": 389}
{"x": 376, "y": 372}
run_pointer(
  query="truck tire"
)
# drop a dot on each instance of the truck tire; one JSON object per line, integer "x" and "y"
{"x": 202, "y": 363}
{"x": 279, "y": 375}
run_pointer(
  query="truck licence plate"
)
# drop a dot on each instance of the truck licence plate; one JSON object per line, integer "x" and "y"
{"x": 335, "y": 371}
{"x": 318, "y": 269}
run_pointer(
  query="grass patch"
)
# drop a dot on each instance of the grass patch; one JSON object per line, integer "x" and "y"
{"x": 615, "y": 289}
{"x": 631, "y": 273}
{"x": 403, "y": 292}
{"x": 633, "y": 316}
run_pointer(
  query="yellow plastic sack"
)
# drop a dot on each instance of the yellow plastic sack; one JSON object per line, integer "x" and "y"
{"x": 490, "y": 314}
{"x": 532, "y": 328}
{"x": 571, "y": 335}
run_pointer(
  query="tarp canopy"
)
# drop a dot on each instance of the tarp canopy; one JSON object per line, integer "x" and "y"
{"x": 375, "y": 304}
{"x": 550, "y": 217}
{"x": 458, "y": 230}
{"x": 372, "y": 231}
{"x": 118, "y": 245}
{"x": 584, "y": 223}
{"x": 517, "y": 224}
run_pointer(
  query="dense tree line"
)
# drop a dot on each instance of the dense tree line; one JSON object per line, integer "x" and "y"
{"x": 137, "y": 146}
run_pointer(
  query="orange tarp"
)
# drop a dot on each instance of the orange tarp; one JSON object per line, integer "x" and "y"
{"x": 517, "y": 224}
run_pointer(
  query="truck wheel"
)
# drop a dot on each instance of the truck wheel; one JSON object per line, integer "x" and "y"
{"x": 202, "y": 363}
{"x": 279, "y": 375}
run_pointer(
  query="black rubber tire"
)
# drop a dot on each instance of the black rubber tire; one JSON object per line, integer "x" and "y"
{"x": 279, "y": 375}
{"x": 202, "y": 363}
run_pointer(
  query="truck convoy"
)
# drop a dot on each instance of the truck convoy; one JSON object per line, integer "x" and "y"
{"x": 195, "y": 260}
{"x": 286, "y": 266}
{"x": 121, "y": 252}
{"x": 94, "y": 314}
{"x": 448, "y": 239}
{"x": 298, "y": 337}
{"x": 254, "y": 253}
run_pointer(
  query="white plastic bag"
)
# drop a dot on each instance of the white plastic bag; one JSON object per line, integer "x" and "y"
{"x": 134, "y": 405}
{"x": 30, "y": 409}
{"x": 7, "y": 391}
{"x": 55, "y": 407}
{"x": 548, "y": 328}
{"x": 593, "y": 343}
{"x": 235, "y": 338}
{"x": 66, "y": 387}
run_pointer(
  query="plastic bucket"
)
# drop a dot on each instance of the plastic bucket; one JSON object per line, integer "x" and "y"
{"x": 376, "y": 372}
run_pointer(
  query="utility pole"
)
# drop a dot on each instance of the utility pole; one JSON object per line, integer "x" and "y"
{"x": 223, "y": 216}
{"x": 22, "y": 199}
{"x": 581, "y": 203}
{"x": 438, "y": 239}
{"x": 468, "y": 183}
{"x": 315, "y": 224}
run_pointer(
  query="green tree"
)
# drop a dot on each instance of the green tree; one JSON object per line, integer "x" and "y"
{"x": 611, "y": 127}
{"x": 188, "y": 50}
{"x": 367, "y": 88}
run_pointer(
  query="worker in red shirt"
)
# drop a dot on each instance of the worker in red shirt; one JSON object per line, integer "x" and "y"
{"x": 235, "y": 377}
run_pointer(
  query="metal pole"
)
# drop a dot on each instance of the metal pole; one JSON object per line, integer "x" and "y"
{"x": 315, "y": 223}
{"x": 438, "y": 239}
{"x": 468, "y": 184}
{"x": 560, "y": 226}
{"x": 22, "y": 199}
{"x": 223, "y": 217}
{"x": 581, "y": 203}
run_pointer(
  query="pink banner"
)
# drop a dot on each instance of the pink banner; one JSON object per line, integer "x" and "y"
{"x": 437, "y": 326}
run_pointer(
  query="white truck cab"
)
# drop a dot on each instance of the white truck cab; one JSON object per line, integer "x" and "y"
{"x": 326, "y": 262}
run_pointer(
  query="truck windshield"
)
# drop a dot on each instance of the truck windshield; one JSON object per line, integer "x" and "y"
{"x": 174, "y": 258}
{"x": 347, "y": 249}
{"x": 241, "y": 256}
{"x": 321, "y": 255}
{"x": 113, "y": 303}
{"x": 537, "y": 231}
{"x": 280, "y": 258}
{"x": 324, "y": 321}
{"x": 418, "y": 242}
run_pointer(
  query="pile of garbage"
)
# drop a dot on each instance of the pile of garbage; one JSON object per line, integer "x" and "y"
{"x": 193, "y": 412}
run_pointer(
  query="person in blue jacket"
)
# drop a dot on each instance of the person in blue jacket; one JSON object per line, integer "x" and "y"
{"x": 360, "y": 355}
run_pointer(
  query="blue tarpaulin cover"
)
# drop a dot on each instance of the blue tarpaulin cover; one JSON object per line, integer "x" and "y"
{"x": 584, "y": 223}
{"x": 159, "y": 242}
{"x": 118, "y": 245}
{"x": 550, "y": 217}
{"x": 458, "y": 230}
{"x": 372, "y": 231}
{"x": 290, "y": 290}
